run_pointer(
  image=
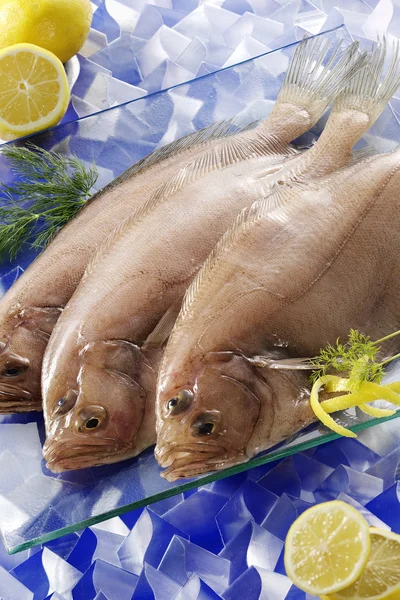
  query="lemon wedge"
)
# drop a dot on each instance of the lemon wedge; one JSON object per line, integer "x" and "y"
{"x": 34, "y": 91}
{"x": 380, "y": 580}
{"x": 327, "y": 548}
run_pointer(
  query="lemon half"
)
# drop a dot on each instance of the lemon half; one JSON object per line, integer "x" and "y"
{"x": 381, "y": 577}
{"x": 34, "y": 91}
{"x": 327, "y": 548}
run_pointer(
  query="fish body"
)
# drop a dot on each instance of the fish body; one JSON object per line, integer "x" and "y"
{"x": 139, "y": 276}
{"x": 280, "y": 284}
{"x": 29, "y": 310}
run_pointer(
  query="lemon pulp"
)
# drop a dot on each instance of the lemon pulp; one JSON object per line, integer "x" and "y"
{"x": 327, "y": 548}
{"x": 34, "y": 91}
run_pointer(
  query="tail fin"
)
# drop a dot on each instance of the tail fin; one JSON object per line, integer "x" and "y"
{"x": 369, "y": 91}
{"x": 311, "y": 84}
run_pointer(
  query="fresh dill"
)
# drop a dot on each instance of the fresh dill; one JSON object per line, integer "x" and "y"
{"x": 49, "y": 190}
{"x": 356, "y": 359}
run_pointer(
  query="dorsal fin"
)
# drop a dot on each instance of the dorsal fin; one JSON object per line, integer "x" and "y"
{"x": 162, "y": 330}
{"x": 212, "y": 132}
{"x": 280, "y": 195}
{"x": 235, "y": 149}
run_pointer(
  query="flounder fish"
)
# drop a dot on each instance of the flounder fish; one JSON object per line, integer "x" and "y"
{"x": 281, "y": 284}
{"x": 30, "y": 309}
{"x": 103, "y": 411}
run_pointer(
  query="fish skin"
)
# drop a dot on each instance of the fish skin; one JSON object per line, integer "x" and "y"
{"x": 51, "y": 279}
{"x": 332, "y": 264}
{"x": 143, "y": 274}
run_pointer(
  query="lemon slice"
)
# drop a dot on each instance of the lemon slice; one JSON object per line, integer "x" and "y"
{"x": 381, "y": 577}
{"x": 34, "y": 91}
{"x": 327, "y": 548}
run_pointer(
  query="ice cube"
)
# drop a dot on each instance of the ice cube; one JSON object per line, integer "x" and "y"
{"x": 120, "y": 59}
{"x": 329, "y": 454}
{"x": 182, "y": 559}
{"x": 124, "y": 13}
{"x": 387, "y": 468}
{"x": 228, "y": 485}
{"x": 115, "y": 583}
{"x": 386, "y": 507}
{"x": 10, "y": 465}
{"x": 264, "y": 549}
{"x": 164, "y": 44}
{"x": 259, "y": 29}
{"x": 95, "y": 41}
{"x": 114, "y": 525}
{"x": 192, "y": 56}
{"x": 311, "y": 472}
{"x": 235, "y": 550}
{"x": 283, "y": 478}
{"x": 264, "y": 8}
{"x": 359, "y": 456}
{"x": 372, "y": 519}
{"x": 196, "y": 589}
{"x": 147, "y": 542}
{"x": 148, "y": 23}
{"x": 108, "y": 544}
{"x": 246, "y": 49}
{"x": 377, "y": 23}
{"x": 259, "y": 583}
{"x": 63, "y": 546}
{"x": 81, "y": 555}
{"x": 381, "y": 438}
{"x": 251, "y": 501}
{"x": 12, "y": 589}
{"x": 196, "y": 517}
{"x": 154, "y": 583}
{"x": 360, "y": 486}
{"x": 61, "y": 576}
{"x": 32, "y": 575}
{"x": 103, "y": 21}
{"x": 280, "y": 518}
{"x": 286, "y": 14}
{"x": 206, "y": 20}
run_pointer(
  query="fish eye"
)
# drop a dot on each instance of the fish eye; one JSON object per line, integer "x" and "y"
{"x": 12, "y": 372}
{"x": 92, "y": 423}
{"x": 65, "y": 403}
{"x": 90, "y": 418}
{"x": 204, "y": 424}
{"x": 179, "y": 403}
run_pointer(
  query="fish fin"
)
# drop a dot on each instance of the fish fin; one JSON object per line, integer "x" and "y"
{"x": 284, "y": 364}
{"x": 362, "y": 154}
{"x": 162, "y": 330}
{"x": 369, "y": 90}
{"x": 310, "y": 84}
{"x": 280, "y": 195}
{"x": 235, "y": 149}
{"x": 118, "y": 356}
{"x": 215, "y": 131}
{"x": 39, "y": 318}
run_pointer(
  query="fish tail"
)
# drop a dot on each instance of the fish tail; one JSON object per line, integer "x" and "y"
{"x": 317, "y": 73}
{"x": 370, "y": 90}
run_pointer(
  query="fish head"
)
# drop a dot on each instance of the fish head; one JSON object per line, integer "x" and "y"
{"x": 104, "y": 418}
{"x": 21, "y": 355}
{"x": 206, "y": 424}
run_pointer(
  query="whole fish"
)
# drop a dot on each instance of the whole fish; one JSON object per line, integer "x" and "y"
{"x": 281, "y": 284}
{"x": 30, "y": 309}
{"x": 128, "y": 299}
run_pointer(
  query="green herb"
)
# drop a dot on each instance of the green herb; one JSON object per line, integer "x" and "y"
{"x": 356, "y": 360}
{"x": 49, "y": 191}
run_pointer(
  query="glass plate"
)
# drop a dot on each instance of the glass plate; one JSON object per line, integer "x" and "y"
{"x": 37, "y": 505}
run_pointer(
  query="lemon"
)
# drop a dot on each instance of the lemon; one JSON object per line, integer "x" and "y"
{"x": 60, "y": 26}
{"x": 381, "y": 577}
{"x": 34, "y": 91}
{"x": 327, "y": 548}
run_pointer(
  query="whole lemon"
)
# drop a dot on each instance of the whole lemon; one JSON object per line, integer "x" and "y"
{"x": 60, "y": 26}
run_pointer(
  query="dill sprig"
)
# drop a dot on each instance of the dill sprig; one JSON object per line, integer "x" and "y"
{"x": 356, "y": 359}
{"x": 49, "y": 191}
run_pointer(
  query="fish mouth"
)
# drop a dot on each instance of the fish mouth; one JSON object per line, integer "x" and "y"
{"x": 67, "y": 457}
{"x": 14, "y": 400}
{"x": 190, "y": 460}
